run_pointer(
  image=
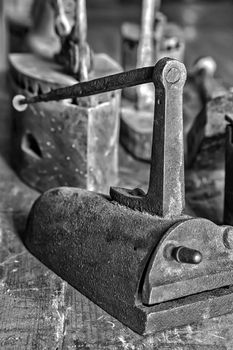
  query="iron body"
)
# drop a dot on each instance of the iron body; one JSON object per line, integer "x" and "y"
{"x": 114, "y": 256}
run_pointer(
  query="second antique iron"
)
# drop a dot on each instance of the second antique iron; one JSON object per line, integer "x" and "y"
{"x": 141, "y": 47}
{"x": 72, "y": 142}
{"x": 137, "y": 255}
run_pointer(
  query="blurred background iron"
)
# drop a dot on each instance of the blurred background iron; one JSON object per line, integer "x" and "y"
{"x": 74, "y": 142}
{"x": 141, "y": 46}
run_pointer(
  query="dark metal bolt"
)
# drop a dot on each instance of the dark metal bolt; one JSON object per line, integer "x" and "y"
{"x": 173, "y": 75}
{"x": 186, "y": 255}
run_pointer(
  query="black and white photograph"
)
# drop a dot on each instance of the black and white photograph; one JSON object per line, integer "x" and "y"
{"x": 116, "y": 174}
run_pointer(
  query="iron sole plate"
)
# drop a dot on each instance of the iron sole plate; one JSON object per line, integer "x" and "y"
{"x": 184, "y": 311}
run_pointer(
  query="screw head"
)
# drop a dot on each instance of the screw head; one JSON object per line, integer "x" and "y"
{"x": 173, "y": 75}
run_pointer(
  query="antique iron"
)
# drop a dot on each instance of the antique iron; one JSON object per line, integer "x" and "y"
{"x": 141, "y": 47}
{"x": 137, "y": 255}
{"x": 204, "y": 136}
{"x": 209, "y": 125}
{"x": 72, "y": 142}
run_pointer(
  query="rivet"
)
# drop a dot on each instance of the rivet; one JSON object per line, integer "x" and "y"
{"x": 173, "y": 75}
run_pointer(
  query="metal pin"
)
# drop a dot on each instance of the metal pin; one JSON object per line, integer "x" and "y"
{"x": 186, "y": 255}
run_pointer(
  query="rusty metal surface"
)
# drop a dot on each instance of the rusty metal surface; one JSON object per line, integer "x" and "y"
{"x": 64, "y": 143}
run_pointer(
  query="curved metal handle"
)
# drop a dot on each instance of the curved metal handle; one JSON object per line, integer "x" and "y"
{"x": 165, "y": 196}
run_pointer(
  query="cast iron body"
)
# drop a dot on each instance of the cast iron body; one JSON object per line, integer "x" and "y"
{"x": 134, "y": 254}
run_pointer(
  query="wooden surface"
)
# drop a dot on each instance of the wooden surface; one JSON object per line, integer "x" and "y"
{"x": 37, "y": 309}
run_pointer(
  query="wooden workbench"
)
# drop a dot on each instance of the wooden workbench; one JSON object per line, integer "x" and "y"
{"x": 38, "y": 310}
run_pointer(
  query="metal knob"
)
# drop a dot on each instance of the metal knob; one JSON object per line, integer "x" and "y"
{"x": 186, "y": 255}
